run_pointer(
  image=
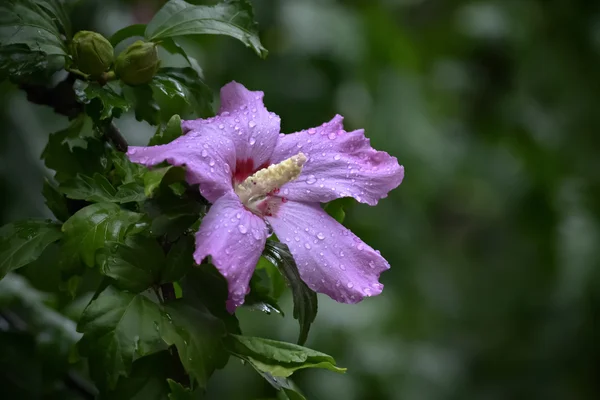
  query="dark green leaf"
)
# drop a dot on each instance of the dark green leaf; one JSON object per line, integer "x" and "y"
{"x": 336, "y": 208}
{"x": 21, "y": 65}
{"x": 181, "y": 91}
{"x": 173, "y": 47}
{"x": 276, "y": 281}
{"x": 55, "y": 201}
{"x": 305, "y": 300}
{"x": 22, "y": 242}
{"x": 147, "y": 380}
{"x": 179, "y": 392}
{"x": 280, "y": 359}
{"x": 74, "y": 150}
{"x": 179, "y": 260}
{"x": 127, "y": 171}
{"x": 154, "y": 177}
{"x": 94, "y": 189}
{"x": 127, "y": 32}
{"x": 144, "y": 105}
{"x": 118, "y": 327}
{"x": 102, "y": 102}
{"x": 134, "y": 264}
{"x": 99, "y": 189}
{"x": 91, "y": 227}
{"x": 233, "y": 18}
{"x": 20, "y": 368}
{"x": 58, "y": 14}
{"x": 206, "y": 286}
{"x": 197, "y": 336}
{"x": 287, "y": 389}
{"x": 259, "y": 298}
{"x": 168, "y": 133}
{"x": 23, "y": 22}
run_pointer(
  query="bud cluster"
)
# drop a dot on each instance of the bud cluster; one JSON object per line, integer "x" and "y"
{"x": 94, "y": 56}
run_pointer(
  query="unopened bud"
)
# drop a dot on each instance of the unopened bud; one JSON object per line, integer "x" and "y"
{"x": 92, "y": 53}
{"x": 138, "y": 63}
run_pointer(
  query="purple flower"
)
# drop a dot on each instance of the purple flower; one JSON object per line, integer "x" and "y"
{"x": 255, "y": 176}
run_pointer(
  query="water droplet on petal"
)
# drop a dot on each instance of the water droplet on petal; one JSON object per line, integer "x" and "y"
{"x": 252, "y": 141}
{"x": 350, "y": 285}
{"x": 211, "y": 163}
{"x": 312, "y": 131}
{"x": 204, "y": 153}
{"x": 337, "y": 157}
{"x": 221, "y": 126}
{"x": 321, "y": 236}
{"x": 251, "y": 124}
{"x": 242, "y": 229}
{"x": 311, "y": 179}
{"x": 296, "y": 238}
{"x": 342, "y": 267}
{"x": 360, "y": 247}
{"x": 332, "y": 135}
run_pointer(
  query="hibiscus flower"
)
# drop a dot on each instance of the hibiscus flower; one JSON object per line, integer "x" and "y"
{"x": 257, "y": 178}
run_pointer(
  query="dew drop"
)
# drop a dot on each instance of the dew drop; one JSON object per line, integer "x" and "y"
{"x": 251, "y": 124}
{"x": 296, "y": 238}
{"x": 307, "y": 246}
{"x": 242, "y": 229}
{"x": 204, "y": 153}
{"x": 342, "y": 267}
{"x": 337, "y": 157}
{"x": 252, "y": 141}
{"x": 312, "y": 131}
{"x": 221, "y": 126}
{"x": 350, "y": 285}
{"x": 321, "y": 236}
{"x": 311, "y": 179}
{"x": 211, "y": 163}
{"x": 332, "y": 135}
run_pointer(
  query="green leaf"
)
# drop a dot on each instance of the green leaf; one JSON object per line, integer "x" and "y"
{"x": 91, "y": 227}
{"x": 181, "y": 91}
{"x": 102, "y": 102}
{"x": 127, "y": 171}
{"x": 155, "y": 177}
{"x": 134, "y": 264}
{"x": 147, "y": 380}
{"x": 22, "y": 242}
{"x": 74, "y": 150}
{"x": 276, "y": 281}
{"x": 173, "y": 47}
{"x": 57, "y": 12}
{"x": 259, "y": 298}
{"x": 179, "y": 392}
{"x": 179, "y": 260}
{"x": 336, "y": 208}
{"x": 305, "y": 300}
{"x": 55, "y": 201}
{"x": 233, "y": 18}
{"x": 117, "y": 328}
{"x": 96, "y": 188}
{"x": 23, "y": 22}
{"x": 197, "y": 336}
{"x": 144, "y": 105}
{"x": 21, "y": 65}
{"x": 280, "y": 359}
{"x": 206, "y": 286}
{"x": 99, "y": 189}
{"x": 127, "y": 32}
{"x": 168, "y": 133}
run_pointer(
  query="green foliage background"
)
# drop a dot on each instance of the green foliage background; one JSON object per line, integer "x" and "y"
{"x": 491, "y": 106}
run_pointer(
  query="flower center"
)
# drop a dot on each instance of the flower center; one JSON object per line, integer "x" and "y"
{"x": 255, "y": 191}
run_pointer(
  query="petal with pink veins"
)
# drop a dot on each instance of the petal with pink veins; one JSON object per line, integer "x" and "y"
{"x": 340, "y": 164}
{"x": 330, "y": 258}
{"x": 235, "y": 239}
{"x": 209, "y": 160}
{"x": 244, "y": 119}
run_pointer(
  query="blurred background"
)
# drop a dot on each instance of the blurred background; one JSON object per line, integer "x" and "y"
{"x": 492, "y": 108}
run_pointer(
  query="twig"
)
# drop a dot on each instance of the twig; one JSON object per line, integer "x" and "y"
{"x": 112, "y": 133}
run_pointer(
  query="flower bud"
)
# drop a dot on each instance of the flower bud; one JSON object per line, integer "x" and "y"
{"x": 138, "y": 63}
{"x": 92, "y": 53}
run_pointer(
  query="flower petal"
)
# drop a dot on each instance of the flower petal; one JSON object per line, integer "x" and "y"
{"x": 330, "y": 258}
{"x": 209, "y": 159}
{"x": 235, "y": 239}
{"x": 340, "y": 164}
{"x": 245, "y": 120}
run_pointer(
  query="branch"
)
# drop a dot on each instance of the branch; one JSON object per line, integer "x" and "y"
{"x": 61, "y": 98}
{"x": 114, "y": 136}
